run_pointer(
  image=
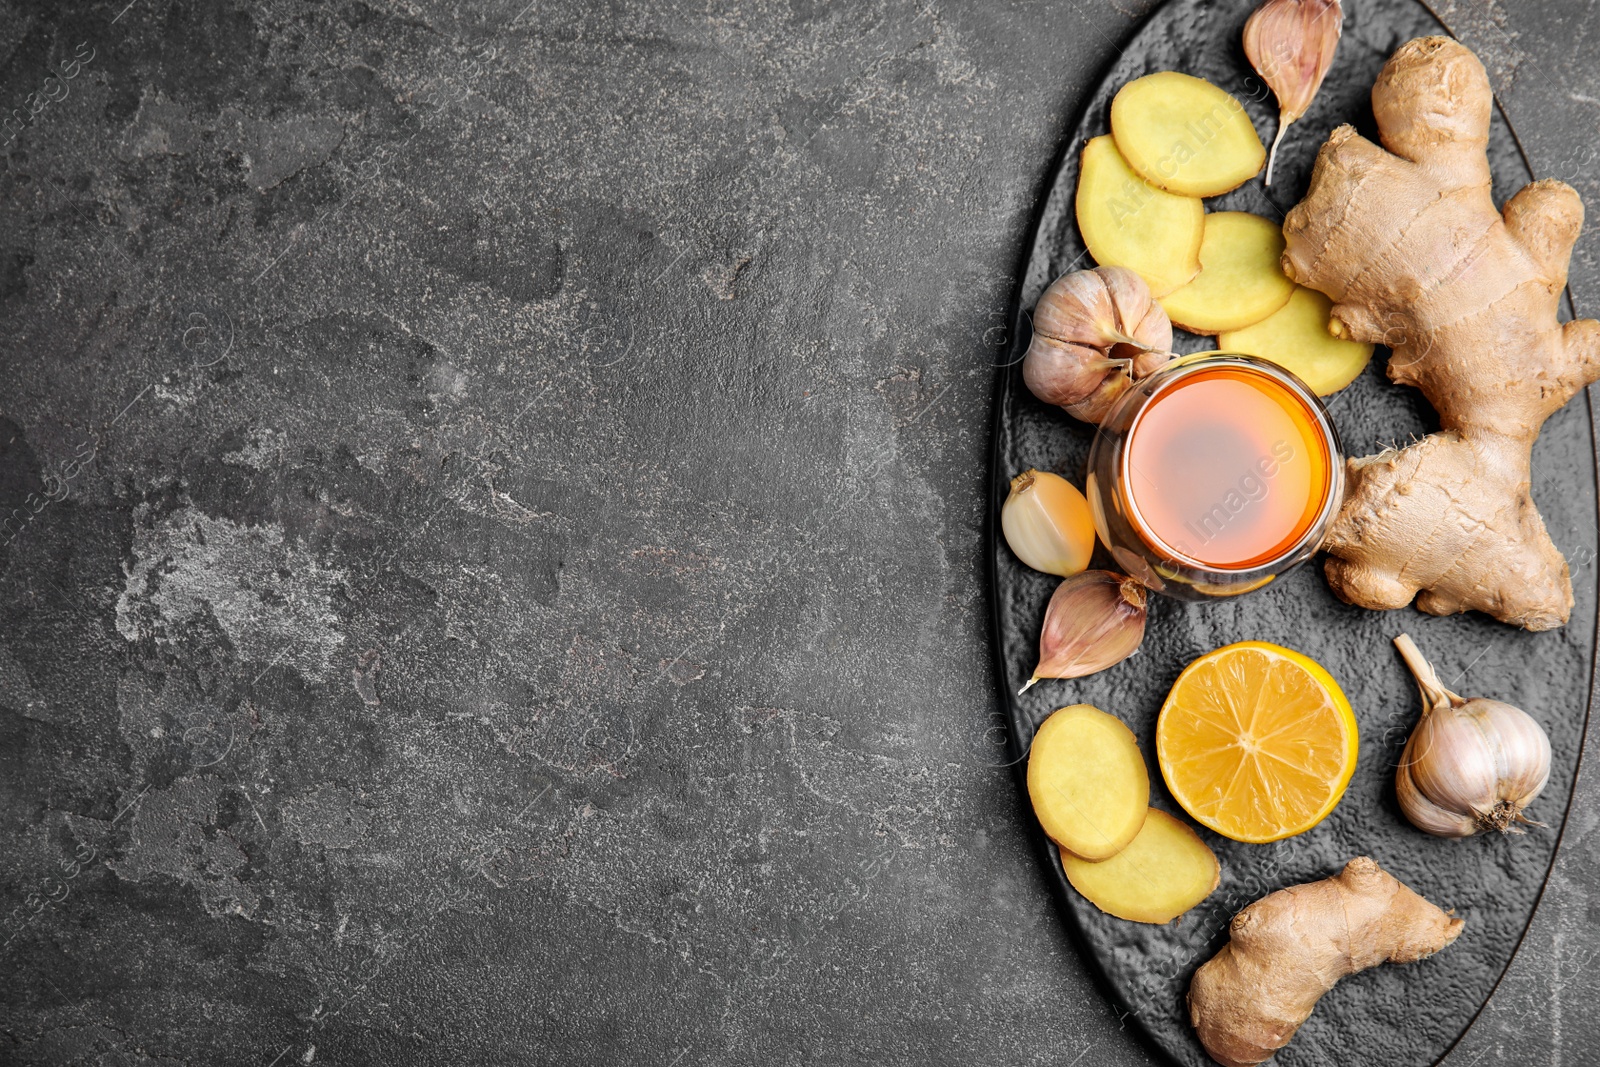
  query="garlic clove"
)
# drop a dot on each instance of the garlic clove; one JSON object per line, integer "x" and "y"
{"x": 1097, "y": 308}
{"x": 1095, "y": 620}
{"x": 1291, "y": 43}
{"x": 1097, "y": 405}
{"x": 1424, "y": 814}
{"x": 1452, "y": 764}
{"x": 1142, "y": 320}
{"x": 1047, "y": 523}
{"x": 1525, "y": 751}
{"x": 1062, "y": 373}
{"x": 1092, "y": 331}
{"x": 1452, "y": 767}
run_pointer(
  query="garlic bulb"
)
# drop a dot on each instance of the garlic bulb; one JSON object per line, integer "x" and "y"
{"x": 1095, "y": 620}
{"x": 1094, "y": 331}
{"x": 1470, "y": 765}
{"x": 1291, "y": 45}
{"x": 1047, "y": 523}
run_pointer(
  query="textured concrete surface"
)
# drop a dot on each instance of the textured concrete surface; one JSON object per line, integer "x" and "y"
{"x": 493, "y": 565}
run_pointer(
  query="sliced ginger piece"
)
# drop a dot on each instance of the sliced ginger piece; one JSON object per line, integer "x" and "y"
{"x": 1296, "y": 338}
{"x": 1162, "y": 873}
{"x": 1127, "y": 222}
{"x": 1240, "y": 282}
{"x": 1185, "y": 134}
{"x": 1088, "y": 781}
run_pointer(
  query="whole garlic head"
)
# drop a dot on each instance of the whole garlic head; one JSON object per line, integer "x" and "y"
{"x": 1094, "y": 332}
{"x": 1469, "y": 765}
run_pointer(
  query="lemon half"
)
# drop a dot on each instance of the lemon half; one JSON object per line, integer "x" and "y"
{"x": 1257, "y": 742}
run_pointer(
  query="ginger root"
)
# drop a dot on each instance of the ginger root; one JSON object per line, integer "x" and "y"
{"x": 1292, "y": 946}
{"x": 1408, "y": 245}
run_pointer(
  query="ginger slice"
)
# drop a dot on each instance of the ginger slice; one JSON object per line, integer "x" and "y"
{"x": 1185, "y": 135}
{"x": 1127, "y": 222}
{"x": 1240, "y": 282}
{"x": 1296, "y": 337}
{"x": 1088, "y": 781}
{"x": 1163, "y": 872}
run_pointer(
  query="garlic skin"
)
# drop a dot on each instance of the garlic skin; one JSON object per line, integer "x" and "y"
{"x": 1047, "y": 523}
{"x": 1291, "y": 43}
{"x": 1095, "y": 620}
{"x": 1469, "y": 765}
{"x": 1094, "y": 331}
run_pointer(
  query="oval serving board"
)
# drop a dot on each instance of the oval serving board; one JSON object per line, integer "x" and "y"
{"x": 1400, "y": 1015}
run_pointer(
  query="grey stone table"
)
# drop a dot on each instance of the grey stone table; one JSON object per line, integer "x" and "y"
{"x": 493, "y": 571}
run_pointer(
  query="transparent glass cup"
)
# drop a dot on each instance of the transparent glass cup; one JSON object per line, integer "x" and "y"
{"x": 1178, "y": 570}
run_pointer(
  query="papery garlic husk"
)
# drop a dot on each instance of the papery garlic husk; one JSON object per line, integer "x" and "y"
{"x": 1093, "y": 332}
{"x": 1095, "y": 620}
{"x": 1291, "y": 43}
{"x": 1469, "y": 765}
{"x": 1047, "y": 523}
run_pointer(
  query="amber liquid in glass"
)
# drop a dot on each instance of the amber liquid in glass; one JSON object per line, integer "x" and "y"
{"x": 1227, "y": 468}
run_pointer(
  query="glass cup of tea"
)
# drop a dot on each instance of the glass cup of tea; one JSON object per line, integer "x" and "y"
{"x": 1215, "y": 475}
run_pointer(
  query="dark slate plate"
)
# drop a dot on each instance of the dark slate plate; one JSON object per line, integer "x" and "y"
{"x": 1390, "y": 1015}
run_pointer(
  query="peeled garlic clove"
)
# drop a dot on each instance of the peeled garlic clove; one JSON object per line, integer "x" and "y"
{"x": 1291, "y": 43}
{"x": 1047, "y": 523}
{"x": 1095, "y": 620}
{"x": 1087, "y": 328}
{"x": 1470, "y": 765}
